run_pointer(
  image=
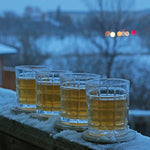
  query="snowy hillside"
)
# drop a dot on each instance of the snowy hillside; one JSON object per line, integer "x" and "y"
{"x": 71, "y": 44}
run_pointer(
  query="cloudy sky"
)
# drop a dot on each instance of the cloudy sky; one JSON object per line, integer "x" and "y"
{"x": 67, "y": 5}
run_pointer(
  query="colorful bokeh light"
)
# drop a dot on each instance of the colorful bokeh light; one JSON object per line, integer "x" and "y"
{"x": 126, "y": 33}
{"x": 122, "y": 33}
{"x": 119, "y": 33}
{"x": 112, "y": 34}
{"x": 107, "y": 33}
{"x": 133, "y": 32}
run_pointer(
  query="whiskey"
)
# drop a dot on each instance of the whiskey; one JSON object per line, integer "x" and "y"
{"x": 73, "y": 103}
{"x": 48, "y": 96}
{"x": 108, "y": 112}
{"x": 26, "y": 91}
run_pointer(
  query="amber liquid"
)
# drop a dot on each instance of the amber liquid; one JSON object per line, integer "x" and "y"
{"x": 73, "y": 103}
{"x": 26, "y": 91}
{"x": 107, "y": 113}
{"x": 48, "y": 97}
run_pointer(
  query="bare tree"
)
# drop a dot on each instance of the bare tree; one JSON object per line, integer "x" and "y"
{"x": 21, "y": 33}
{"x": 109, "y": 16}
{"x": 144, "y": 29}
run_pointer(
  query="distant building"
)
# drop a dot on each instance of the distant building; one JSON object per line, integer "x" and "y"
{"x": 4, "y": 50}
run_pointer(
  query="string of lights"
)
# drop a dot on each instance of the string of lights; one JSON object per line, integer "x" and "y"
{"x": 119, "y": 33}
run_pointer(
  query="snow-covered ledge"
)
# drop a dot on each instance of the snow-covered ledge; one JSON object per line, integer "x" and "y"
{"x": 45, "y": 130}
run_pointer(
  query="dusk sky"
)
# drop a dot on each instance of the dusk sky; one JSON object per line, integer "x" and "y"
{"x": 66, "y": 5}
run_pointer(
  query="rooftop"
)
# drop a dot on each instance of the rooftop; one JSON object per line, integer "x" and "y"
{"x": 6, "y": 50}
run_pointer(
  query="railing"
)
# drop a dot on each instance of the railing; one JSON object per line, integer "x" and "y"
{"x": 8, "y": 78}
{"x": 138, "y": 120}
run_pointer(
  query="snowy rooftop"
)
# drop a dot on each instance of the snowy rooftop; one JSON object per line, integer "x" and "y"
{"x": 8, "y": 101}
{"x": 5, "y": 50}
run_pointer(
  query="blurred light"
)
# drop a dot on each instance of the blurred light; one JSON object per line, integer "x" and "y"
{"x": 107, "y": 33}
{"x": 112, "y": 34}
{"x": 126, "y": 33}
{"x": 133, "y": 32}
{"x": 119, "y": 33}
{"x": 123, "y": 33}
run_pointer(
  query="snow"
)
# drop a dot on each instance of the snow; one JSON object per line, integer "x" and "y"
{"x": 78, "y": 44}
{"x": 7, "y": 68}
{"x": 53, "y": 22}
{"x": 7, "y": 50}
{"x": 139, "y": 112}
{"x": 140, "y": 143}
{"x": 8, "y": 101}
{"x": 67, "y": 45}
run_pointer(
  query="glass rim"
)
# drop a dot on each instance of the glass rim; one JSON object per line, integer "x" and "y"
{"x": 30, "y": 67}
{"x": 52, "y": 71}
{"x": 92, "y": 82}
{"x": 79, "y": 75}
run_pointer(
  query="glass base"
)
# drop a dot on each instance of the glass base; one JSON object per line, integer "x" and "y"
{"x": 26, "y": 106}
{"x": 17, "y": 110}
{"x": 108, "y": 137}
{"x": 47, "y": 113}
{"x": 39, "y": 117}
{"x": 75, "y": 122}
{"x": 59, "y": 125}
{"x": 99, "y": 133}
